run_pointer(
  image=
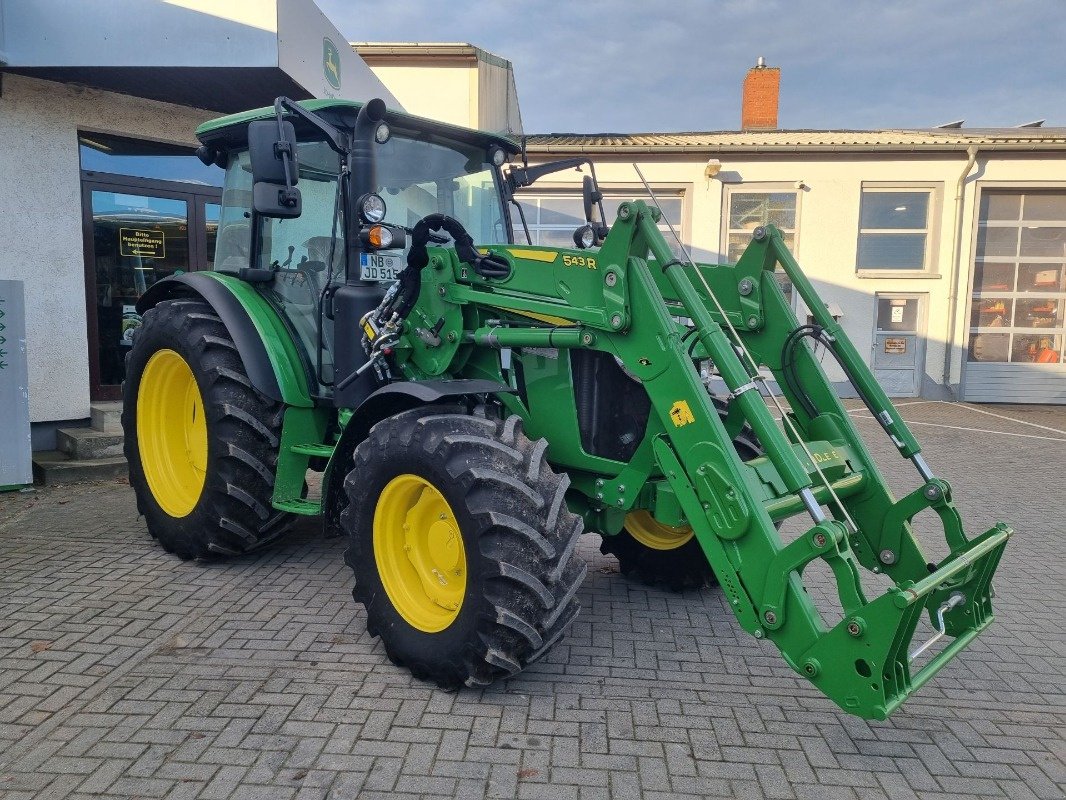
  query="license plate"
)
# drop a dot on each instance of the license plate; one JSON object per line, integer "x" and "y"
{"x": 376, "y": 267}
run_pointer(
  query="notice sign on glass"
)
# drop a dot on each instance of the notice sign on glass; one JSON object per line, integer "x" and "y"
{"x": 136, "y": 242}
{"x": 896, "y": 346}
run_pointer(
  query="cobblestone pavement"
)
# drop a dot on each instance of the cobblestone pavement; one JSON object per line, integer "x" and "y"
{"x": 128, "y": 673}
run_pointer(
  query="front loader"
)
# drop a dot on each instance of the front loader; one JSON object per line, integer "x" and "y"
{"x": 475, "y": 404}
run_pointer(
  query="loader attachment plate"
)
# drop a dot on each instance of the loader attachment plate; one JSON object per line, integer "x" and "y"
{"x": 865, "y": 664}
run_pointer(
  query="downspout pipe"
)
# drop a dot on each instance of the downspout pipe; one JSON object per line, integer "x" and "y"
{"x": 956, "y": 267}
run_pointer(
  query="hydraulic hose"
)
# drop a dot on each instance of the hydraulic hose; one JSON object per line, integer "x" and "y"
{"x": 788, "y": 366}
{"x": 410, "y": 278}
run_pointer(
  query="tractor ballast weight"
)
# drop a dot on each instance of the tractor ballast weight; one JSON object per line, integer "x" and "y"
{"x": 532, "y": 374}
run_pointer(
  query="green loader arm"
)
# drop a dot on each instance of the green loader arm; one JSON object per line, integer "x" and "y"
{"x": 629, "y": 299}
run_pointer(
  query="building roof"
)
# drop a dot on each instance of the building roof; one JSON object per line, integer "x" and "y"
{"x": 911, "y": 140}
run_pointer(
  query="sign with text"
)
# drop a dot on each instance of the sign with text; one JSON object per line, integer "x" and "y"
{"x": 896, "y": 346}
{"x": 136, "y": 242}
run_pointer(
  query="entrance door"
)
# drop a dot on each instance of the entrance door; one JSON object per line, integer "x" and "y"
{"x": 899, "y": 343}
{"x": 135, "y": 236}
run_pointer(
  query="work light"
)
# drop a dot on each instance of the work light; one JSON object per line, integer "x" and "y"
{"x": 371, "y": 208}
{"x": 585, "y": 237}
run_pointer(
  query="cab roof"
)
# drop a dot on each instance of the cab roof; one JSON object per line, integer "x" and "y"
{"x": 231, "y": 129}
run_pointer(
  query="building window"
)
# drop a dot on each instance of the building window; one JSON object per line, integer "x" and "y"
{"x": 553, "y": 218}
{"x": 749, "y": 210}
{"x": 1019, "y": 282}
{"x": 140, "y": 158}
{"x": 894, "y": 229}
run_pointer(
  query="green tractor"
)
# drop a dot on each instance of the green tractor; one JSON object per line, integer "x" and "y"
{"x": 475, "y": 404}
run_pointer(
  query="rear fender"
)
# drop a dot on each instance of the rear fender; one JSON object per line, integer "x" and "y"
{"x": 265, "y": 345}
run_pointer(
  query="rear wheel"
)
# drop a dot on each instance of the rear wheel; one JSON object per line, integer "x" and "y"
{"x": 461, "y": 545}
{"x": 200, "y": 441}
{"x": 656, "y": 554}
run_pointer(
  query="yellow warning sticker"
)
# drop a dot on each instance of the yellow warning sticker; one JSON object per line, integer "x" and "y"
{"x": 369, "y": 331}
{"x": 681, "y": 414}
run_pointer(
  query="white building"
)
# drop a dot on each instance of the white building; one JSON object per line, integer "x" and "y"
{"x": 944, "y": 249}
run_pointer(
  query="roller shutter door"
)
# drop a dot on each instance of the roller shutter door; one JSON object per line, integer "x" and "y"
{"x": 1017, "y": 331}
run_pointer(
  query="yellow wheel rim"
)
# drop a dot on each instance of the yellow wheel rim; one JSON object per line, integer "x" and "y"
{"x": 171, "y": 433}
{"x": 643, "y": 527}
{"x": 419, "y": 553}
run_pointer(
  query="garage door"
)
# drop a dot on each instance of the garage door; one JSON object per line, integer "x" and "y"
{"x": 1017, "y": 327}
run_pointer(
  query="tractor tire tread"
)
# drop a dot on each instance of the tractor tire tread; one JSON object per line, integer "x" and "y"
{"x": 523, "y": 537}
{"x": 233, "y": 514}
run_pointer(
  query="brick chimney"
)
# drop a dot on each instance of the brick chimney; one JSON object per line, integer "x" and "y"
{"x": 762, "y": 85}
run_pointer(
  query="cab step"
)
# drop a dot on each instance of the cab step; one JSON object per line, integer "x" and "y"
{"x": 315, "y": 450}
{"x": 306, "y": 508}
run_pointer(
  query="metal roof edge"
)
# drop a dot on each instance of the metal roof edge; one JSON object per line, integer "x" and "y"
{"x": 401, "y": 49}
{"x": 913, "y": 147}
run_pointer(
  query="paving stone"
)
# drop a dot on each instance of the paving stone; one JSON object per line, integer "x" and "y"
{"x": 127, "y": 672}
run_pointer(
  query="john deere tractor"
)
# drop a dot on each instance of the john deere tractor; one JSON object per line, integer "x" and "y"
{"x": 476, "y": 402}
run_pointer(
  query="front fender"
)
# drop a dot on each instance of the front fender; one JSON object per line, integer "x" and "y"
{"x": 265, "y": 345}
{"x": 387, "y": 401}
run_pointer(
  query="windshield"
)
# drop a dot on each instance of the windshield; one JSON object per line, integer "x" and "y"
{"x": 423, "y": 176}
{"x": 416, "y": 175}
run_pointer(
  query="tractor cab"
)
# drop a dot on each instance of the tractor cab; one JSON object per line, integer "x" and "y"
{"x": 358, "y": 201}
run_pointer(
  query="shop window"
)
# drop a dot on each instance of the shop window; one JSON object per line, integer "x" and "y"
{"x": 139, "y": 158}
{"x": 894, "y": 230}
{"x": 1019, "y": 282}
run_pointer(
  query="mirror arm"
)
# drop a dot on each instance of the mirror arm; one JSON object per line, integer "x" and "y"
{"x": 337, "y": 140}
{"x": 520, "y": 177}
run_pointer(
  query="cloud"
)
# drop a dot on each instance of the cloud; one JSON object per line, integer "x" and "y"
{"x": 614, "y": 65}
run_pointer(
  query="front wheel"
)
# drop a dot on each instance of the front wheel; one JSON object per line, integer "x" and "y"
{"x": 461, "y": 544}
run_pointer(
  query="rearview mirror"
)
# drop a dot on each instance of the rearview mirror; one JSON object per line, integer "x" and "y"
{"x": 589, "y": 196}
{"x": 275, "y": 169}
{"x": 592, "y": 201}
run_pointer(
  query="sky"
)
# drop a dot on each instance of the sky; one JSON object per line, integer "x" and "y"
{"x": 596, "y": 66}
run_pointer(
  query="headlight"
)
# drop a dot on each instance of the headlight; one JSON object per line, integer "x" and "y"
{"x": 371, "y": 208}
{"x": 585, "y": 237}
{"x": 382, "y": 134}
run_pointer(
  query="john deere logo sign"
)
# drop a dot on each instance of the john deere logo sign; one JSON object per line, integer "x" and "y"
{"x": 331, "y": 63}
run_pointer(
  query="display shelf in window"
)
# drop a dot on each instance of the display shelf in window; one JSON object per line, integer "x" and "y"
{"x": 1041, "y": 278}
{"x": 1039, "y": 313}
{"x": 991, "y": 312}
{"x": 1036, "y": 348}
{"x": 993, "y": 277}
